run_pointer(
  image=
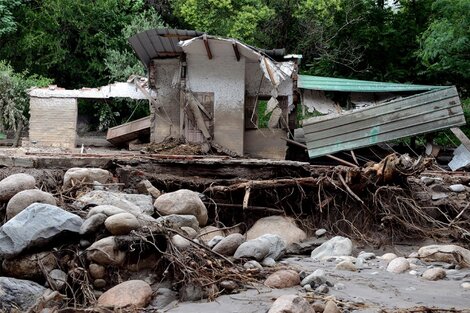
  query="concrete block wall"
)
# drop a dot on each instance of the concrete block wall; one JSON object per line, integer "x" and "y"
{"x": 53, "y": 122}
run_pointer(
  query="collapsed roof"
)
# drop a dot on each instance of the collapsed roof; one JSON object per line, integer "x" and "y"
{"x": 165, "y": 43}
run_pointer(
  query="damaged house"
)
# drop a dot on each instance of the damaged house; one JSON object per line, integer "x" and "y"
{"x": 208, "y": 91}
{"x": 215, "y": 91}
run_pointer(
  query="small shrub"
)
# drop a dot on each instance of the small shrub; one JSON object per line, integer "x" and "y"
{"x": 14, "y": 99}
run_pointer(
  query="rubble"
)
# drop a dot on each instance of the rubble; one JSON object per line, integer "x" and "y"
{"x": 103, "y": 242}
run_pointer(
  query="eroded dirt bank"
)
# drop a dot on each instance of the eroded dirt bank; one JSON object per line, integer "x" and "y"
{"x": 226, "y": 230}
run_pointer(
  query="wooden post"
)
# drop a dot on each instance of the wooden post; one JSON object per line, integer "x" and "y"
{"x": 461, "y": 136}
{"x": 206, "y": 44}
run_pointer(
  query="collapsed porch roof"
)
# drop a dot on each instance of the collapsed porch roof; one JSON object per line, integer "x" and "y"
{"x": 354, "y": 85}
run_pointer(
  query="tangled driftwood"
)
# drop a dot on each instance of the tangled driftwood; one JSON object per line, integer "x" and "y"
{"x": 377, "y": 203}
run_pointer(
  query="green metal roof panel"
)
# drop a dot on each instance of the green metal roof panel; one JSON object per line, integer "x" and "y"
{"x": 353, "y": 85}
{"x": 408, "y": 116}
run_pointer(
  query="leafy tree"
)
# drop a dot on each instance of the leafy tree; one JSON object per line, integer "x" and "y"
{"x": 445, "y": 45}
{"x": 121, "y": 62}
{"x": 233, "y": 18}
{"x": 7, "y": 21}
{"x": 326, "y": 35}
{"x": 14, "y": 100}
{"x": 67, "y": 40}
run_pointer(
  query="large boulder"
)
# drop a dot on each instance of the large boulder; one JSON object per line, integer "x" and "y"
{"x": 291, "y": 304}
{"x": 175, "y": 221}
{"x": 93, "y": 224}
{"x": 135, "y": 204}
{"x": 25, "y": 198}
{"x": 282, "y": 226}
{"x": 228, "y": 245}
{"x": 106, "y": 252}
{"x": 37, "y": 225}
{"x": 283, "y": 279}
{"x": 336, "y": 246}
{"x": 182, "y": 202}
{"x": 78, "y": 175}
{"x": 445, "y": 253}
{"x": 121, "y": 224}
{"x": 266, "y": 246}
{"x": 17, "y": 295}
{"x": 15, "y": 183}
{"x": 131, "y": 294}
{"x": 30, "y": 266}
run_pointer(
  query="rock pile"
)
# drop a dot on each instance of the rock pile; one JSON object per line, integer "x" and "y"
{"x": 47, "y": 245}
{"x": 105, "y": 247}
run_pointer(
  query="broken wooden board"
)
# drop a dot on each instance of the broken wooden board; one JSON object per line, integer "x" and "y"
{"x": 417, "y": 114}
{"x": 122, "y": 134}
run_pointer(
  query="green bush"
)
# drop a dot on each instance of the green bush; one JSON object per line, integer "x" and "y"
{"x": 14, "y": 100}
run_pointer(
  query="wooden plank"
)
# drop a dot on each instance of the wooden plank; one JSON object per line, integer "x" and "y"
{"x": 198, "y": 117}
{"x": 461, "y": 136}
{"x": 235, "y": 50}
{"x": 147, "y": 95}
{"x": 208, "y": 48}
{"x": 124, "y": 133}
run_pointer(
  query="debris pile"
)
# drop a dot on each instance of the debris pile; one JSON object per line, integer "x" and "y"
{"x": 95, "y": 243}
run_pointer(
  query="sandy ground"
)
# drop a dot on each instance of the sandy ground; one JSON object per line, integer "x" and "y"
{"x": 371, "y": 289}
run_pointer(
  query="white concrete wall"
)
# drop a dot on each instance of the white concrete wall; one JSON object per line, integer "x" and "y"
{"x": 225, "y": 77}
{"x": 169, "y": 97}
{"x": 53, "y": 122}
{"x": 253, "y": 76}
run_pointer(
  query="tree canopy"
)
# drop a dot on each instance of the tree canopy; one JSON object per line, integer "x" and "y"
{"x": 84, "y": 43}
{"x": 445, "y": 44}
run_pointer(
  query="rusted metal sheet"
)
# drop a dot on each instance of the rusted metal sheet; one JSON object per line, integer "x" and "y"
{"x": 417, "y": 114}
{"x": 124, "y": 133}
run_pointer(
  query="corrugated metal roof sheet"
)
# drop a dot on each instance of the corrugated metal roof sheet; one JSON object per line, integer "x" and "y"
{"x": 421, "y": 113}
{"x": 161, "y": 42}
{"x": 353, "y": 85}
